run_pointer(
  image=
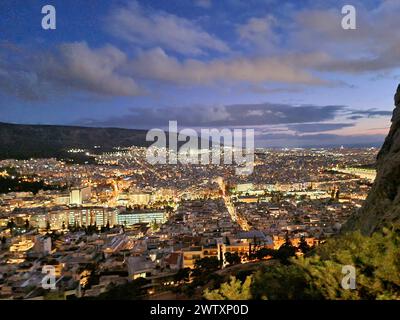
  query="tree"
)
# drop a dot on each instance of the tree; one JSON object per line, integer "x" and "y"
{"x": 243, "y": 274}
{"x": 154, "y": 225}
{"x": 285, "y": 251}
{"x": 232, "y": 258}
{"x": 337, "y": 194}
{"x": 11, "y": 224}
{"x": 287, "y": 239}
{"x": 233, "y": 290}
{"x": 282, "y": 282}
{"x": 203, "y": 268}
{"x": 264, "y": 252}
{"x": 182, "y": 275}
{"x": 319, "y": 276}
{"x": 303, "y": 246}
{"x": 130, "y": 291}
{"x": 208, "y": 264}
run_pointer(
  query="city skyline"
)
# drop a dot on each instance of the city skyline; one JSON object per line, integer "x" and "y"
{"x": 289, "y": 69}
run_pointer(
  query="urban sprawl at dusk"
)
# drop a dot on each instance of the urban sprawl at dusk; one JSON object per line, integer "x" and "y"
{"x": 168, "y": 159}
{"x": 120, "y": 218}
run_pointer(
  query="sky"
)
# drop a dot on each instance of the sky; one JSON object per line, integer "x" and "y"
{"x": 285, "y": 68}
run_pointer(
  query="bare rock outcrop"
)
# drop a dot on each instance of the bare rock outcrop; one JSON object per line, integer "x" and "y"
{"x": 382, "y": 207}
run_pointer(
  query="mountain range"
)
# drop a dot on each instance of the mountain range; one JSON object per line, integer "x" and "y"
{"x": 20, "y": 141}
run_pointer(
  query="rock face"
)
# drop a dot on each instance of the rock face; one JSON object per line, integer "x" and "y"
{"x": 382, "y": 207}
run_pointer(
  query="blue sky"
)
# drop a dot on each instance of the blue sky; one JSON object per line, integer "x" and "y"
{"x": 285, "y": 68}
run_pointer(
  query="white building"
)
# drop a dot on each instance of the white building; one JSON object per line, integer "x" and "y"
{"x": 80, "y": 195}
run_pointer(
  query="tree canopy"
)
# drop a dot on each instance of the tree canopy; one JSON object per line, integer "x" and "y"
{"x": 376, "y": 260}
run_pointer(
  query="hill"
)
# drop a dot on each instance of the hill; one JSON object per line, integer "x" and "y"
{"x": 40, "y": 141}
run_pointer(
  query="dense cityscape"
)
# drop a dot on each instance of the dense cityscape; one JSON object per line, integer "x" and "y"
{"x": 118, "y": 220}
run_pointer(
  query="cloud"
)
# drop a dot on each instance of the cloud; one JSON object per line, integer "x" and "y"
{"x": 318, "y": 127}
{"x": 275, "y": 125}
{"x": 108, "y": 71}
{"x": 155, "y": 64}
{"x": 17, "y": 77}
{"x": 22, "y": 84}
{"x": 259, "y": 32}
{"x": 318, "y": 140}
{"x": 164, "y": 46}
{"x": 354, "y": 117}
{"x": 147, "y": 27}
{"x": 37, "y": 75}
{"x": 261, "y": 89}
{"x": 369, "y": 48}
{"x": 302, "y": 123}
{"x": 205, "y": 4}
{"x": 224, "y": 116}
{"x": 370, "y": 113}
{"x": 316, "y": 28}
{"x": 94, "y": 70}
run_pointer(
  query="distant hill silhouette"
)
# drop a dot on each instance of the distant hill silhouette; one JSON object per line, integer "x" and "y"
{"x": 25, "y": 141}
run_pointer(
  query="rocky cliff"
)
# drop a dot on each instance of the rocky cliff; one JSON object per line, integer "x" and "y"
{"x": 382, "y": 207}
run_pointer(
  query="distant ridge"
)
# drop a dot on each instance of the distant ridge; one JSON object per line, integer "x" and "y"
{"x": 21, "y": 141}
